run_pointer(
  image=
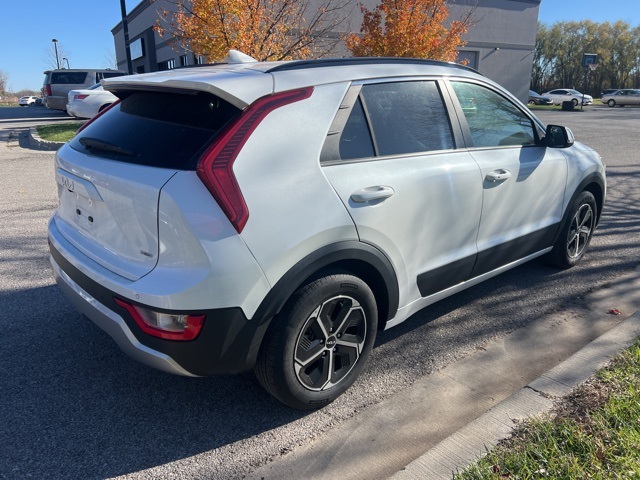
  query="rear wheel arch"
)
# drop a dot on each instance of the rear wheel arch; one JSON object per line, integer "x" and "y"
{"x": 349, "y": 257}
{"x": 352, "y": 257}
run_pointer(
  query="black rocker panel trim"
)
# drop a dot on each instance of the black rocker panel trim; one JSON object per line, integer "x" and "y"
{"x": 446, "y": 276}
{"x": 513, "y": 250}
{"x": 473, "y": 266}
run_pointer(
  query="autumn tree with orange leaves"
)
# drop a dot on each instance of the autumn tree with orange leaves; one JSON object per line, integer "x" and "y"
{"x": 409, "y": 28}
{"x": 264, "y": 29}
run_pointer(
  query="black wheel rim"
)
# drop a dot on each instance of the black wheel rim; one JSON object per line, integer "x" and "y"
{"x": 580, "y": 231}
{"x": 330, "y": 343}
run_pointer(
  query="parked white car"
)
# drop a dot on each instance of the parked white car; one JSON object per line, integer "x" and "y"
{"x": 88, "y": 102}
{"x": 26, "y": 101}
{"x": 568, "y": 95}
{"x": 275, "y": 215}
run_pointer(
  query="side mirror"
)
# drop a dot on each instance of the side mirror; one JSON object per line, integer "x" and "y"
{"x": 558, "y": 137}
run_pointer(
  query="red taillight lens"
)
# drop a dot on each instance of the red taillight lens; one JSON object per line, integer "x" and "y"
{"x": 47, "y": 89}
{"x": 164, "y": 325}
{"x": 98, "y": 116}
{"x": 215, "y": 167}
{"x": 80, "y": 97}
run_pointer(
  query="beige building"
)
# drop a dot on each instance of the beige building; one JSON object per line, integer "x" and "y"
{"x": 500, "y": 45}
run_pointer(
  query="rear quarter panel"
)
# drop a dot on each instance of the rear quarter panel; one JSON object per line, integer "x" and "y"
{"x": 293, "y": 210}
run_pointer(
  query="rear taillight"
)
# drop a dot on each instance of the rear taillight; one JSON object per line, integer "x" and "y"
{"x": 168, "y": 326}
{"x": 97, "y": 116}
{"x": 80, "y": 97}
{"x": 215, "y": 167}
{"x": 47, "y": 89}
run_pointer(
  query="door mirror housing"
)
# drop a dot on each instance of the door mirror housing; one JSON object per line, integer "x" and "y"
{"x": 557, "y": 136}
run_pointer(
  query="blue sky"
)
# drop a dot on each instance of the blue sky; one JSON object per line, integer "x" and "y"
{"x": 83, "y": 30}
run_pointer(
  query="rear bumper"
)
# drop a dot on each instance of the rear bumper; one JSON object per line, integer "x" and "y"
{"x": 114, "y": 325}
{"x": 56, "y": 103}
{"x": 228, "y": 342}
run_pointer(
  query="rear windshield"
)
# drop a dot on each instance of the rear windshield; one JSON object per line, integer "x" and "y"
{"x": 68, "y": 78}
{"x": 158, "y": 129}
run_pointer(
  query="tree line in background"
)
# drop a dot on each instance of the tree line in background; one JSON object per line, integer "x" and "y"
{"x": 557, "y": 61}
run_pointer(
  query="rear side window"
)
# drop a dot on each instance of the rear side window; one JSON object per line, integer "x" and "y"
{"x": 391, "y": 119}
{"x": 158, "y": 129}
{"x": 68, "y": 78}
{"x": 407, "y": 117}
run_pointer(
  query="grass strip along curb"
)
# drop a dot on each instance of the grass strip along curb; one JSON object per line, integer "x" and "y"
{"x": 59, "y": 132}
{"x": 593, "y": 433}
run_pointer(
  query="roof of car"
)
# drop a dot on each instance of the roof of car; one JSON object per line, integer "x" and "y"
{"x": 270, "y": 77}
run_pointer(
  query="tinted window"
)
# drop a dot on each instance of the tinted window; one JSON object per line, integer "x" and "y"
{"x": 68, "y": 78}
{"x": 355, "y": 140}
{"x": 157, "y": 129}
{"x": 492, "y": 119}
{"x": 407, "y": 117}
{"x": 101, "y": 75}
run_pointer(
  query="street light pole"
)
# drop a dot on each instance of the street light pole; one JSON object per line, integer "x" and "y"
{"x": 55, "y": 46}
{"x": 125, "y": 29}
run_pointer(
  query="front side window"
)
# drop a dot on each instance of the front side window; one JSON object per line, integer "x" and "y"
{"x": 493, "y": 120}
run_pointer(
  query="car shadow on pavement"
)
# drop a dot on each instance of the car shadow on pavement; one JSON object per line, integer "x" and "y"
{"x": 74, "y": 406}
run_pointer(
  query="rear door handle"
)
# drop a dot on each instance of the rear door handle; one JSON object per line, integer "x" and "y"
{"x": 379, "y": 192}
{"x": 498, "y": 175}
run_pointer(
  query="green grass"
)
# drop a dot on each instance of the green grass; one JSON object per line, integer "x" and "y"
{"x": 594, "y": 433}
{"x": 59, "y": 132}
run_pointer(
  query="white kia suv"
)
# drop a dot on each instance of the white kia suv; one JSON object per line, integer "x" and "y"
{"x": 275, "y": 216}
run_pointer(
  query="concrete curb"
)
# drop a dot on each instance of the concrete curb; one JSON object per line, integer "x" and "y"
{"x": 472, "y": 441}
{"x": 37, "y": 142}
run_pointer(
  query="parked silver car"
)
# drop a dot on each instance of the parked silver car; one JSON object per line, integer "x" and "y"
{"x": 627, "y": 96}
{"x": 274, "y": 216}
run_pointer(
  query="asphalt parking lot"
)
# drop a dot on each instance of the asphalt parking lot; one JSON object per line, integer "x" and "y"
{"x": 73, "y": 406}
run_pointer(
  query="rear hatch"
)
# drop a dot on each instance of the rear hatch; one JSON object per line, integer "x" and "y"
{"x": 111, "y": 174}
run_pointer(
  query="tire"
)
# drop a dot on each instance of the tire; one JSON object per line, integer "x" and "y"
{"x": 611, "y": 103}
{"x": 575, "y": 102}
{"x": 576, "y": 233}
{"x": 531, "y": 102}
{"x": 318, "y": 344}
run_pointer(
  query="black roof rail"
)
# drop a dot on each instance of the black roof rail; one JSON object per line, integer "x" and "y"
{"x": 338, "y": 62}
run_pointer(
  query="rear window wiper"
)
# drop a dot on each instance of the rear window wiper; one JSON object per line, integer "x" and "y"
{"x": 96, "y": 144}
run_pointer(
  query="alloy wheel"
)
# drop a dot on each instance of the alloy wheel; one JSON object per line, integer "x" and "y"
{"x": 330, "y": 343}
{"x": 580, "y": 231}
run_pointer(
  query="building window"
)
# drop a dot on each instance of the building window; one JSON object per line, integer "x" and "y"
{"x": 202, "y": 59}
{"x": 470, "y": 57}
{"x": 167, "y": 65}
{"x": 184, "y": 60}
